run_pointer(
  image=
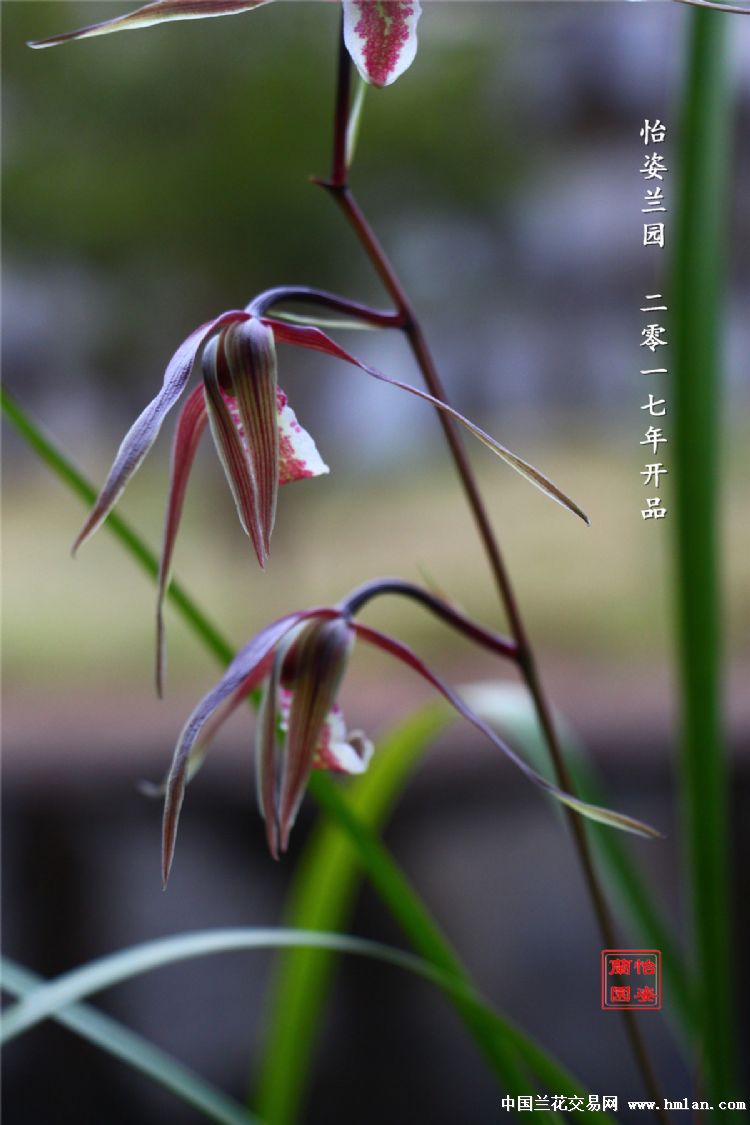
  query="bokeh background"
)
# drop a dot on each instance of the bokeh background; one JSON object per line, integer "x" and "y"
{"x": 152, "y": 180}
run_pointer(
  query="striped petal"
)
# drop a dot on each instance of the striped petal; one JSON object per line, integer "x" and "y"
{"x": 381, "y": 37}
{"x": 161, "y": 11}
{"x": 317, "y": 340}
{"x": 232, "y": 451}
{"x": 249, "y": 360}
{"x": 320, "y": 656}
{"x": 298, "y": 453}
{"x": 144, "y": 431}
{"x": 190, "y": 427}
{"x": 267, "y": 757}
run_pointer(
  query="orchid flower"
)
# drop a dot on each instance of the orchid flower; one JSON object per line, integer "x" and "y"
{"x": 380, "y": 35}
{"x": 300, "y": 660}
{"x": 256, "y": 434}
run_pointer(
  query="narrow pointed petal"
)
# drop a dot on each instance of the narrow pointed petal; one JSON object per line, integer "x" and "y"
{"x": 190, "y": 427}
{"x": 298, "y": 453}
{"x": 250, "y": 666}
{"x": 592, "y": 812}
{"x": 250, "y": 359}
{"x": 321, "y": 654}
{"x": 159, "y": 12}
{"x": 232, "y": 454}
{"x": 267, "y": 758}
{"x": 144, "y": 431}
{"x": 381, "y": 37}
{"x": 316, "y": 340}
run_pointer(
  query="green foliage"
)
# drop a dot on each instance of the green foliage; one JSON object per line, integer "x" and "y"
{"x": 697, "y": 303}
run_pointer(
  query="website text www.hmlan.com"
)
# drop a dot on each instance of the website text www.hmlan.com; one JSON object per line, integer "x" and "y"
{"x": 686, "y": 1104}
{"x": 597, "y": 1103}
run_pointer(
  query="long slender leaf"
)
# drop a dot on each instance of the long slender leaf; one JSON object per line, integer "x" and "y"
{"x": 53, "y": 996}
{"x": 697, "y": 298}
{"x": 53, "y": 999}
{"x": 124, "y": 1044}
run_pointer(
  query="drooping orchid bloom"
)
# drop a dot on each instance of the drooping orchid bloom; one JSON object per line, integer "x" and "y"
{"x": 380, "y": 35}
{"x": 300, "y": 661}
{"x": 258, "y": 439}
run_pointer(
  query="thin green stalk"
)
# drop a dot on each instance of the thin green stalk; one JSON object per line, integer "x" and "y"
{"x": 391, "y": 884}
{"x": 697, "y": 299}
{"x": 62, "y": 468}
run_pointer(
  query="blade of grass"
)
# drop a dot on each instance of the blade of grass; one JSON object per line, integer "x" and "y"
{"x": 697, "y": 298}
{"x": 126, "y": 1045}
{"x": 53, "y": 996}
{"x": 62, "y": 467}
{"x": 372, "y": 855}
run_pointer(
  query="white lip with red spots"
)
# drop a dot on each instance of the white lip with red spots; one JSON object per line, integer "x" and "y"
{"x": 299, "y": 458}
{"x": 298, "y": 453}
{"x": 338, "y": 750}
{"x": 381, "y": 37}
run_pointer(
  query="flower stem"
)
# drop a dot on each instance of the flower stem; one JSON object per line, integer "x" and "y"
{"x": 501, "y": 646}
{"x": 338, "y": 187}
{"x": 306, "y": 295}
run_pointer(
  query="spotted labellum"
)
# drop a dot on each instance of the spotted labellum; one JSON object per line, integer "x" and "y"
{"x": 380, "y": 35}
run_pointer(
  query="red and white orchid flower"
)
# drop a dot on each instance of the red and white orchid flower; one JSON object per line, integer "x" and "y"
{"x": 380, "y": 35}
{"x": 300, "y": 660}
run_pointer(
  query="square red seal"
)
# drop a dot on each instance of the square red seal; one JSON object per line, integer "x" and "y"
{"x": 631, "y": 978}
